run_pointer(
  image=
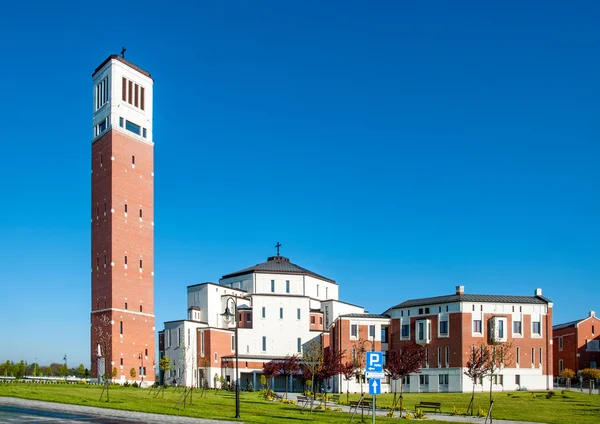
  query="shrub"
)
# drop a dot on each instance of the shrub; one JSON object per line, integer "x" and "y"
{"x": 135, "y": 384}
{"x": 419, "y": 414}
{"x": 409, "y": 416}
{"x": 250, "y": 387}
{"x": 549, "y": 394}
{"x": 126, "y": 384}
{"x": 481, "y": 413}
{"x": 455, "y": 411}
{"x": 390, "y": 414}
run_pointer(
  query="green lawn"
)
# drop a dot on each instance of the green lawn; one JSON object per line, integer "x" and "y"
{"x": 216, "y": 405}
{"x": 572, "y": 407}
{"x": 567, "y": 407}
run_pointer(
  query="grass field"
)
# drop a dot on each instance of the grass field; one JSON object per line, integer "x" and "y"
{"x": 576, "y": 408}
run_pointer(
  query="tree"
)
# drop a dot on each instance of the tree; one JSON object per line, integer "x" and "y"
{"x": 6, "y": 369}
{"x": 476, "y": 370}
{"x": 165, "y": 364}
{"x": 132, "y": 373}
{"x": 348, "y": 372}
{"x": 63, "y": 371}
{"x": 102, "y": 328}
{"x": 567, "y": 374}
{"x": 312, "y": 359}
{"x": 263, "y": 381}
{"x": 589, "y": 374}
{"x": 80, "y": 372}
{"x": 402, "y": 363}
{"x": 19, "y": 369}
{"x": 287, "y": 367}
{"x": 332, "y": 365}
{"x": 270, "y": 370}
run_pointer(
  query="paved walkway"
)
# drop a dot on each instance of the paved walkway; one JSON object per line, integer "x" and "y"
{"x": 430, "y": 416}
{"x": 102, "y": 414}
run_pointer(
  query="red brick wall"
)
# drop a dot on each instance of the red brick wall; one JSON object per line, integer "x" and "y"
{"x": 114, "y": 236}
{"x": 585, "y": 333}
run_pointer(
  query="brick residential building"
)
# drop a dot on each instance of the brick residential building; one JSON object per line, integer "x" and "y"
{"x": 122, "y": 220}
{"x": 576, "y": 344}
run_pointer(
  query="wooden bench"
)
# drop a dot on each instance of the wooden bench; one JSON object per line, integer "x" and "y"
{"x": 303, "y": 401}
{"x": 436, "y": 406}
{"x": 335, "y": 398}
{"x": 364, "y": 404}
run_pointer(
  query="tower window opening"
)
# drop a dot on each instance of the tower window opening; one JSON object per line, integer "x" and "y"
{"x": 140, "y": 308}
{"x": 121, "y": 361}
{"x": 140, "y": 213}
{"x": 121, "y": 327}
{"x": 125, "y": 208}
{"x": 133, "y": 160}
{"x": 97, "y": 263}
{"x": 102, "y": 93}
{"x": 125, "y": 305}
{"x": 129, "y": 93}
{"x": 125, "y": 260}
{"x": 140, "y": 264}
{"x": 142, "y": 98}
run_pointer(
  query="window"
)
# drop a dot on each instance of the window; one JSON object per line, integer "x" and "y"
{"x": 299, "y": 345}
{"x": 140, "y": 308}
{"x": 497, "y": 326}
{"x": 134, "y": 128}
{"x": 125, "y": 305}
{"x": 168, "y": 338}
{"x": 125, "y": 209}
{"x": 518, "y": 357}
{"x": 133, "y": 93}
{"x": 179, "y": 337}
{"x": 287, "y": 286}
{"x": 141, "y": 264}
{"x": 232, "y": 343}
{"x": 423, "y": 331}
{"x": 144, "y": 133}
{"x": 101, "y": 127}
{"x": 560, "y": 366}
{"x": 121, "y": 122}
{"x": 592, "y": 346}
{"x": 320, "y": 320}
{"x": 533, "y": 357}
{"x": 312, "y": 320}
{"x": 298, "y": 313}
{"x": 517, "y": 327}
{"x": 444, "y": 328}
{"x": 439, "y": 356}
{"x": 424, "y": 379}
{"x": 133, "y": 160}
{"x": 443, "y": 379}
{"x": 272, "y": 286}
{"x": 536, "y": 328}
{"x": 476, "y": 326}
{"x": 102, "y": 93}
{"x": 560, "y": 343}
{"x": 541, "y": 354}
{"x": 140, "y": 214}
{"x": 249, "y": 316}
{"x": 121, "y": 361}
{"x": 317, "y": 290}
{"x": 264, "y": 344}
{"x": 280, "y": 313}
{"x": 518, "y": 380}
{"x": 384, "y": 334}
{"x": 372, "y": 331}
{"x": 354, "y": 330}
{"x": 264, "y": 312}
{"x": 447, "y": 356}
{"x": 405, "y": 332}
{"x": 121, "y": 328}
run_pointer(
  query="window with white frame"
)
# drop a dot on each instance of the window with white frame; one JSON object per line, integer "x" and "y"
{"x": 517, "y": 328}
{"x": 101, "y": 126}
{"x": 202, "y": 344}
{"x": 280, "y": 313}
{"x": 518, "y": 356}
{"x": 287, "y": 286}
{"x": 497, "y": 327}
{"x": 477, "y": 328}
{"x": 298, "y": 313}
{"x": 264, "y": 344}
{"x": 102, "y": 92}
{"x": 444, "y": 328}
{"x": 405, "y": 331}
{"x": 443, "y": 379}
{"x": 424, "y": 379}
{"x": 264, "y": 312}
{"x": 299, "y": 345}
{"x": 272, "y": 286}
{"x": 371, "y": 331}
{"x": 423, "y": 331}
{"x": 439, "y": 356}
{"x": 560, "y": 366}
{"x": 354, "y": 330}
{"x": 560, "y": 343}
{"x": 447, "y": 356}
{"x": 536, "y": 328}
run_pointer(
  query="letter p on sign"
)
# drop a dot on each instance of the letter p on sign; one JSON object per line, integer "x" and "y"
{"x": 374, "y": 361}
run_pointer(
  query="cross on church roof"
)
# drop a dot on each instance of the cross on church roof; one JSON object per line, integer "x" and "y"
{"x": 278, "y": 245}
{"x": 123, "y": 50}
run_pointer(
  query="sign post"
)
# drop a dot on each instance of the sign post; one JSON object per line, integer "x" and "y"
{"x": 374, "y": 374}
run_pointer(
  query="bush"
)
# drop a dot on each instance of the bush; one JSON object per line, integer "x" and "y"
{"x": 135, "y": 384}
{"x": 549, "y": 394}
{"x": 419, "y": 414}
{"x": 390, "y": 414}
{"x": 126, "y": 384}
{"x": 250, "y": 387}
{"x": 481, "y": 413}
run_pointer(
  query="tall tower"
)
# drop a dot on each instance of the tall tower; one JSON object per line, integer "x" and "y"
{"x": 122, "y": 316}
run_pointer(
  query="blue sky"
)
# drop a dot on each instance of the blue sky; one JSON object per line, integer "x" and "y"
{"x": 400, "y": 148}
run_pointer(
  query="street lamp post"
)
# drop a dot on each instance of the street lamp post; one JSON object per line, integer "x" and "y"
{"x": 229, "y": 318}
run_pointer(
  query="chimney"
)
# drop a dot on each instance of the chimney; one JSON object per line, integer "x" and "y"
{"x": 537, "y": 292}
{"x": 460, "y": 290}
{"x": 592, "y": 314}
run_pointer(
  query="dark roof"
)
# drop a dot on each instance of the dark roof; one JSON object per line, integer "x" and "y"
{"x": 568, "y": 324}
{"x": 277, "y": 265}
{"x": 126, "y": 62}
{"x": 365, "y": 316}
{"x": 481, "y": 298}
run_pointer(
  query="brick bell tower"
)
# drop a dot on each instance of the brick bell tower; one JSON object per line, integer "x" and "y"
{"x": 122, "y": 316}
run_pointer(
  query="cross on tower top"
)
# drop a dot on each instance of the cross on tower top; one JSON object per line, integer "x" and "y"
{"x": 123, "y": 50}
{"x": 278, "y": 245}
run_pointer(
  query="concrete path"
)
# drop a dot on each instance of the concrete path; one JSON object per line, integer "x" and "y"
{"x": 101, "y": 415}
{"x": 430, "y": 416}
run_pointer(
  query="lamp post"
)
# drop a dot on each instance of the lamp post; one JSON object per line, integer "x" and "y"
{"x": 142, "y": 370}
{"x": 228, "y": 317}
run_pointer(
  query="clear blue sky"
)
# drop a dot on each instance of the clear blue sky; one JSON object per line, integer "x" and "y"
{"x": 400, "y": 148}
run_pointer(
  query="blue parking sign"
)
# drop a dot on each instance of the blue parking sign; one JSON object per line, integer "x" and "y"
{"x": 374, "y": 361}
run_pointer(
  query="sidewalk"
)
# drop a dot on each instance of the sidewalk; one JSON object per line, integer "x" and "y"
{"x": 430, "y": 416}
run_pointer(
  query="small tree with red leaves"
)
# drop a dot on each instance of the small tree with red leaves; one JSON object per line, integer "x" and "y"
{"x": 348, "y": 372}
{"x": 270, "y": 370}
{"x": 288, "y": 366}
{"x": 332, "y": 366}
{"x": 476, "y": 369}
{"x": 399, "y": 364}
